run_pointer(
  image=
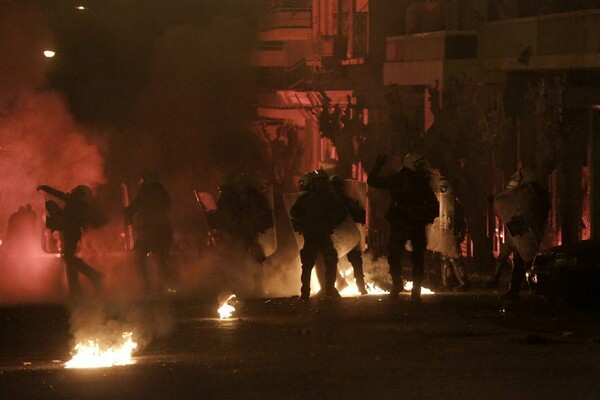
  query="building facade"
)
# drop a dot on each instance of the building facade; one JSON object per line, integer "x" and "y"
{"x": 483, "y": 87}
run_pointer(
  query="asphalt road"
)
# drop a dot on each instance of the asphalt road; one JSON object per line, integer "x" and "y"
{"x": 451, "y": 346}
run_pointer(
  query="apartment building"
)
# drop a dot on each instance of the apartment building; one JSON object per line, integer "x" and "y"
{"x": 532, "y": 67}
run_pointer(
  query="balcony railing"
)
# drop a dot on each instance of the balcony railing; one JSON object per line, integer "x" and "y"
{"x": 286, "y": 18}
{"x": 442, "y": 45}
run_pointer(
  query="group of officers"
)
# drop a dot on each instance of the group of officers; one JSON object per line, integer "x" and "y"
{"x": 243, "y": 214}
{"x": 77, "y": 213}
{"x": 324, "y": 205}
{"x": 414, "y": 219}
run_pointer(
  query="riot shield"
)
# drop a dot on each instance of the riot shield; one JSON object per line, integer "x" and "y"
{"x": 447, "y": 245}
{"x": 357, "y": 190}
{"x": 127, "y": 225}
{"x": 53, "y": 221}
{"x": 268, "y": 239}
{"x": 433, "y": 235}
{"x": 515, "y": 207}
{"x": 206, "y": 201}
{"x": 209, "y": 208}
{"x": 289, "y": 199}
{"x": 345, "y": 236}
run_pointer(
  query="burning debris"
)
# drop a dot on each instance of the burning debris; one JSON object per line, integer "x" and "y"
{"x": 102, "y": 341}
{"x": 227, "y": 309}
{"x": 97, "y": 353}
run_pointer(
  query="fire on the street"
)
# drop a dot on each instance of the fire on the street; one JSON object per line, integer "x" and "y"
{"x": 350, "y": 290}
{"x": 226, "y": 309}
{"x": 92, "y": 354}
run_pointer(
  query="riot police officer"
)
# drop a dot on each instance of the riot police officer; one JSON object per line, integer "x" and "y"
{"x": 358, "y": 214}
{"x": 538, "y": 210}
{"x": 242, "y": 214}
{"x": 154, "y": 233}
{"x": 316, "y": 213}
{"x": 413, "y": 206}
{"x": 71, "y": 221}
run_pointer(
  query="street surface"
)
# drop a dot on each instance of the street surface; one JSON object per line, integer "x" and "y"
{"x": 451, "y": 346}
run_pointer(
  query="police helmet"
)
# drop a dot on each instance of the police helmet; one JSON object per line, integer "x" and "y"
{"x": 243, "y": 183}
{"x": 304, "y": 181}
{"x": 318, "y": 174}
{"x": 82, "y": 193}
{"x": 522, "y": 176}
{"x": 148, "y": 177}
{"x": 336, "y": 182}
{"x": 226, "y": 183}
{"x": 414, "y": 161}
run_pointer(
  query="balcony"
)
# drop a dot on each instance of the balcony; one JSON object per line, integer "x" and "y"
{"x": 421, "y": 59}
{"x": 286, "y": 24}
{"x": 269, "y": 54}
{"x": 279, "y": 54}
{"x": 559, "y": 41}
{"x": 296, "y": 106}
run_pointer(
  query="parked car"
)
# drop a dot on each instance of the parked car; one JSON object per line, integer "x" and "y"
{"x": 571, "y": 271}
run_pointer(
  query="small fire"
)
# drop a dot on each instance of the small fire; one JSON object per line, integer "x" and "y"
{"x": 374, "y": 289}
{"x": 408, "y": 287}
{"x": 352, "y": 291}
{"x": 226, "y": 309}
{"x": 92, "y": 354}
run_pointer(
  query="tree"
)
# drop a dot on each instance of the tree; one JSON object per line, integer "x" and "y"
{"x": 346, "y": 130}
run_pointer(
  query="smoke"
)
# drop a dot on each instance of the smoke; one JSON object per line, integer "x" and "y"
{"x": 171, "y": 88}
{"x": 40, "y": 143}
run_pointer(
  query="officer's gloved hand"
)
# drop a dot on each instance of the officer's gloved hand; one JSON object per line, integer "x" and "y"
{"x": 381, "y": 160}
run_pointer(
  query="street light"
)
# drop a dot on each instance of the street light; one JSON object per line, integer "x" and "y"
{"x": 49, "y": 53}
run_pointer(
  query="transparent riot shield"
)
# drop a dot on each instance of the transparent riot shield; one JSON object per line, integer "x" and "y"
{"x": 433, "y": 235}
{"x": 268, "y": 239}
{"x": 127, "y": 225}
{"x": 447, "y": 245}
{"x": 53, "y": 223}
{"x": 209, "y": 208}
{"x": 357, "y": 190}
{"x": 515, "y": 207}
{"x": 289, "y": 199}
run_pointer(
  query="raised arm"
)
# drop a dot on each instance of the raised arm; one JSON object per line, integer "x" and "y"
{"x": 374, "y": 179}
{"x": 53, "y": 192}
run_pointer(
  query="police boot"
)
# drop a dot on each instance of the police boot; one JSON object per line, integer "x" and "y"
{"x": 514, "y": 287}
{"x": 331, "y": 291}
{"x": 517, "y": 277}
{"x": 461, "y": 276}
{"x": 305, "y": 289}
{"x": 493, "y": 282}
{"x": 415, "y": 293}
{"x": 397, "y": 286}
{"x": 444, "y": 272}
{"x": 360, "y": 285}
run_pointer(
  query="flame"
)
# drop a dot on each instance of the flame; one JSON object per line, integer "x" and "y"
{"x": 226, "y": 309}
{"x": 91, "y": 354}
{"x": 352, "y": 291}
{"x": 374, "y": 289}
{"x": 408, "y": 287}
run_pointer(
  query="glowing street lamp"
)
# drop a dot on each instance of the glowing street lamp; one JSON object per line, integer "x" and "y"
{"x": 49, "y": 53}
